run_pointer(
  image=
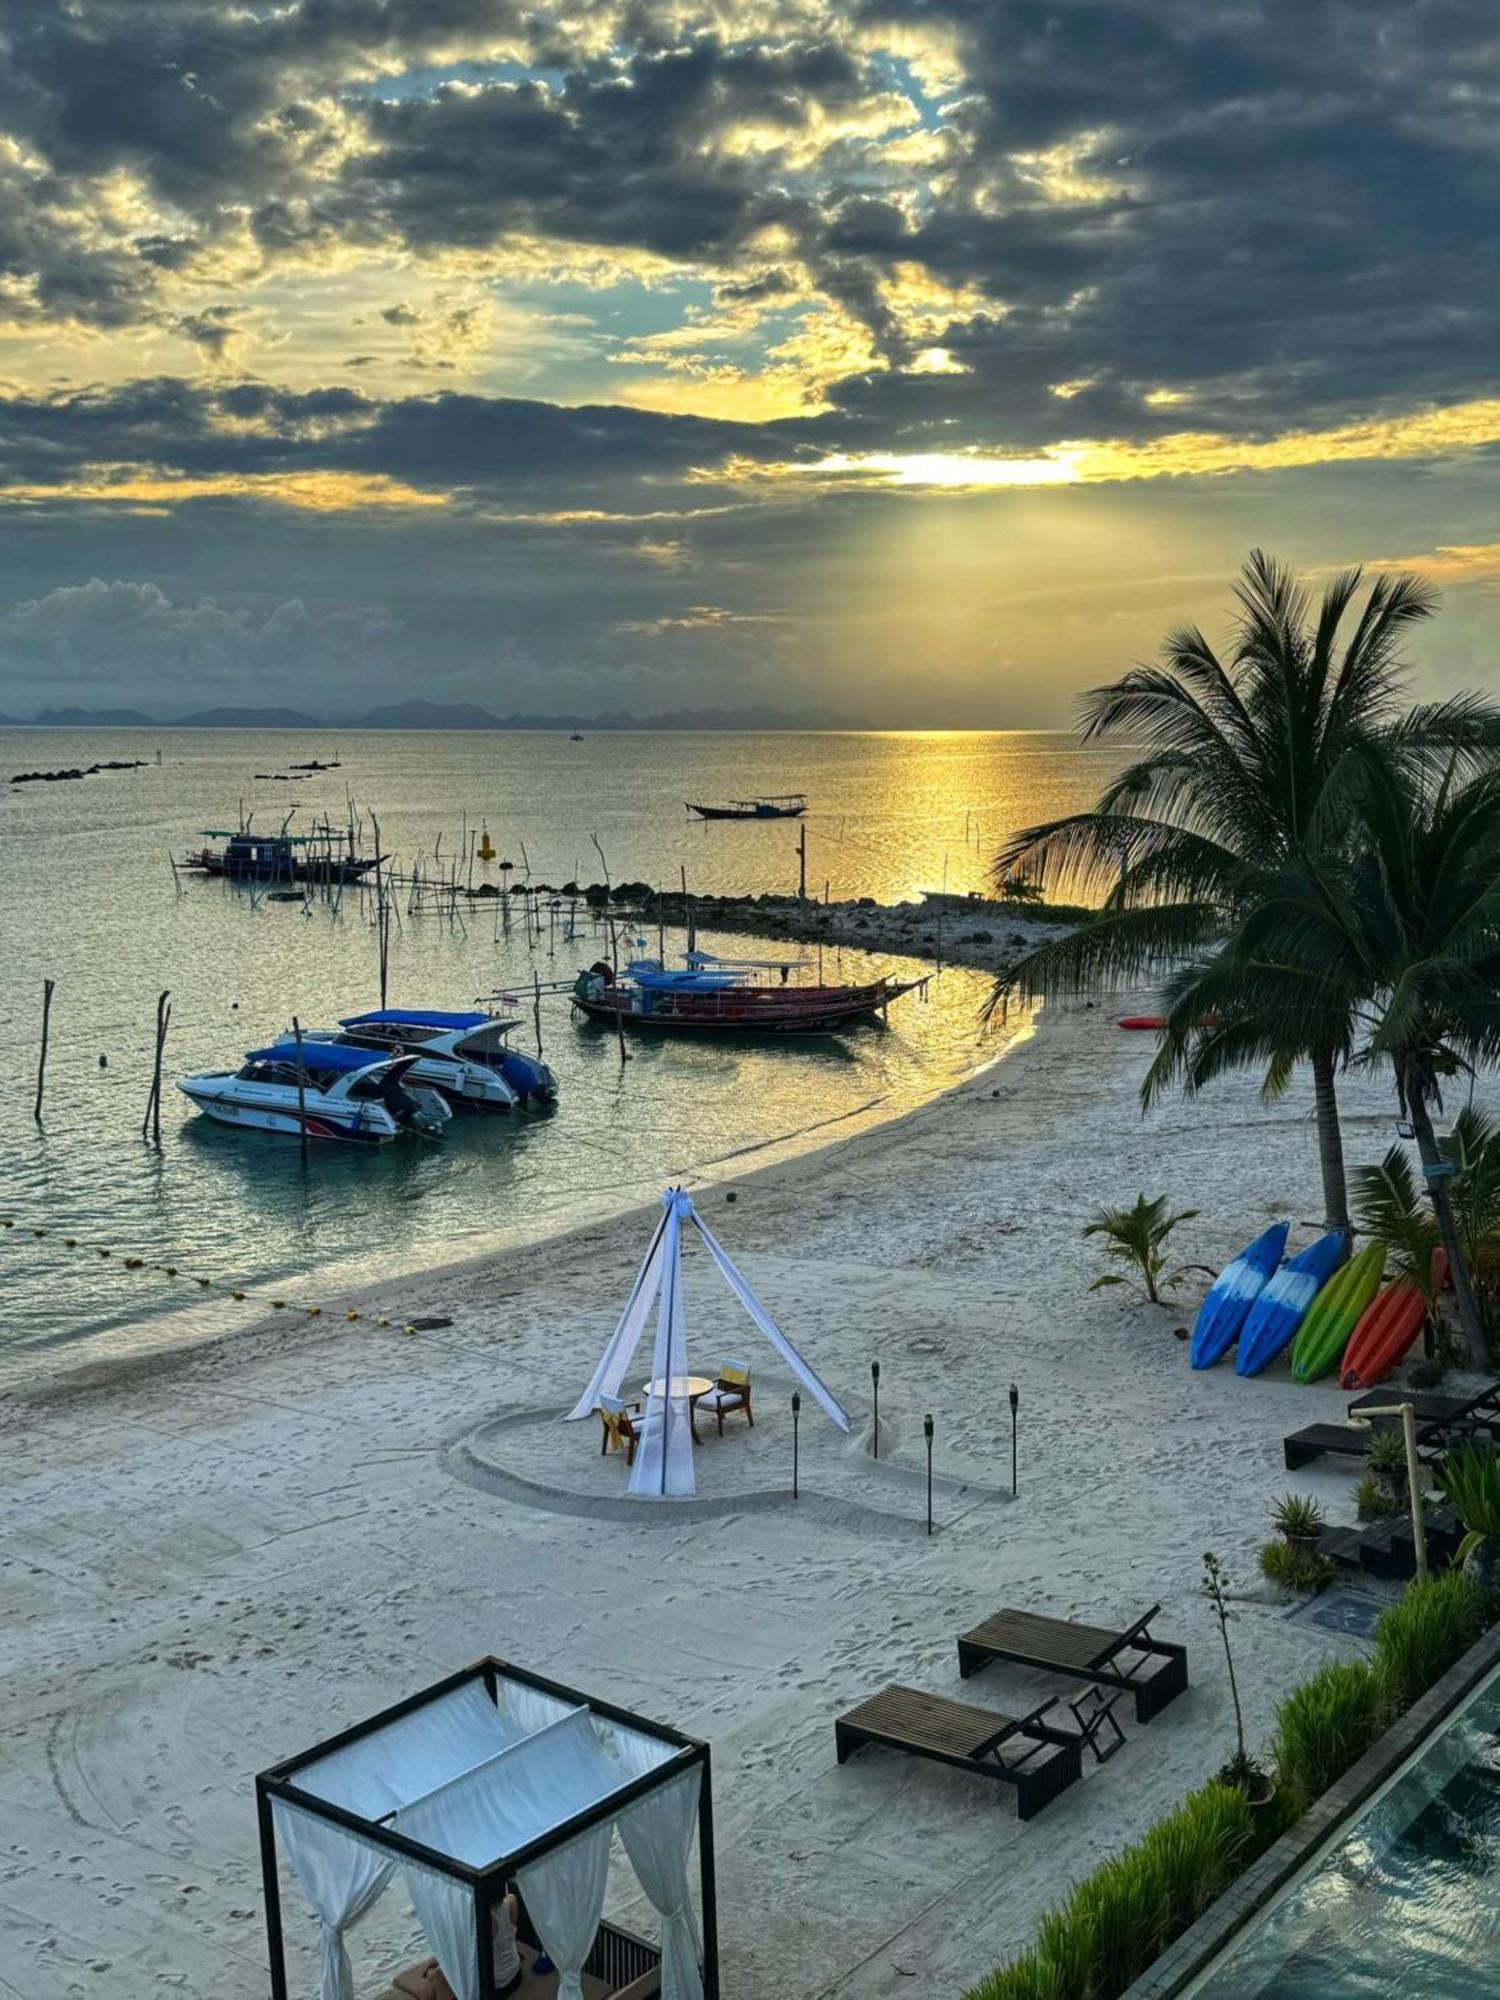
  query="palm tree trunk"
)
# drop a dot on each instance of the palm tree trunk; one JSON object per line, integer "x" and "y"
{"x": 1330, "y": 1149}
{"x": 1442, "y": 1208}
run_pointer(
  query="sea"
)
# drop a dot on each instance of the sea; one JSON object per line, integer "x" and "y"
{"x": 110, "y": 1230}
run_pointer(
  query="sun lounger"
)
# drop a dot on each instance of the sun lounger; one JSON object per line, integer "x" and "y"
{"x": 1442, "y": 1422}
{"x": 1153, "y": 1670}
{"x": 1026, "y": 1752}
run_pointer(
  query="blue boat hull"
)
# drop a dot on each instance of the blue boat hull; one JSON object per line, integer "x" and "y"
{"x": 1224, "y": 1312}
{"x": 1281, "y": 1307}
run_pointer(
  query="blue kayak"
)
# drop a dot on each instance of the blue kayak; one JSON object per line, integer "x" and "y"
{"x": 1232, "y": 1294}
{"x": 1278, "y": 1312}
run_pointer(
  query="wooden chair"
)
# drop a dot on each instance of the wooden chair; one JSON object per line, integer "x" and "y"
{"x": 1026, "y": 1752}
{"x": 730, "y": 1392}
{"x": 620, "y": 1433}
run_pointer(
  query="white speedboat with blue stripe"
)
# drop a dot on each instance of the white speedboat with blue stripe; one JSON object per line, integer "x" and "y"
{"x": 337, "y": 1093}
{"x": 464, "y": 1055}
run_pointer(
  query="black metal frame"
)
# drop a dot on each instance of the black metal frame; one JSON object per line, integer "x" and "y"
{"x": 489, "y": 1883}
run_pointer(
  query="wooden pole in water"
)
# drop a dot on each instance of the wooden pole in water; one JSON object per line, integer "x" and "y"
{"x": 151, "y": 1123}
{"x": 536, "y": 1007}
{"x": 802, "y": 862}
{"x": 301, "y": 1089}
{"x": 41, "y": 1068}
{"x": 382, "y": 919}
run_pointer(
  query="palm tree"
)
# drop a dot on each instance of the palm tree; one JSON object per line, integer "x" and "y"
{"x": 1396, "y": 937}
{"x": 1238, "y": 765}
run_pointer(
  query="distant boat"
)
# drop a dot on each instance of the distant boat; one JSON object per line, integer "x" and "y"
{"x": 338, "y": 1093}
{"x": 576, "y": 737}
{"x": 465, "y": 1056}
{"x": 789, "y": 805}
{"x": 720, "y": 996}
{"x": 277, "y": 857}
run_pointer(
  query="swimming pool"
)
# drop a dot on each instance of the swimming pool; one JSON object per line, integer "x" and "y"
{"x": 1406, "y": 1903}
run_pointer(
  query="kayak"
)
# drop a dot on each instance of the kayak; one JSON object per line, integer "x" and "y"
{"x": 1148, "y": 1021}
{"x": 1232, "y": 1294}
{"x": 1387, "y": 1328}
{"x": 1334, "y": 1314}
{"x": 1277, "y": 1313}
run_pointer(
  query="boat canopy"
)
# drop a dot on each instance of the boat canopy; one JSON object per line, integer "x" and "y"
{"x": 319, "y": 1055}
{"x": 415, "y": 1017}
{"x": 709, "y": 958}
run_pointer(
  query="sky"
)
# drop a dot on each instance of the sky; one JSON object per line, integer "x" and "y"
{"x": 922, "y": 359}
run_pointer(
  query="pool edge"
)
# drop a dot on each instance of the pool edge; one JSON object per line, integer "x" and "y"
{"x": 1202, "y": 1942}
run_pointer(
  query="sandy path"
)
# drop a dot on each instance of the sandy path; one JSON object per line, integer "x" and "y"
{"x": 213, "y": 1559}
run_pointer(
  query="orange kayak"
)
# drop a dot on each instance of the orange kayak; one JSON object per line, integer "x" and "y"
{"x": 1386, "y": 1329}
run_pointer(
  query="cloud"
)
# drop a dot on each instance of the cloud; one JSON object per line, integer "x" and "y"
{"x": 80, "y": 636}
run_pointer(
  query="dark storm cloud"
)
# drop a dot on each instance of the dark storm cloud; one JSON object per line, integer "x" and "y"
{"x": 551, "y": 454}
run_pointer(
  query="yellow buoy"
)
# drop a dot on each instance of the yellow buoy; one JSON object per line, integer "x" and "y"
{"x": 486, "y": 846}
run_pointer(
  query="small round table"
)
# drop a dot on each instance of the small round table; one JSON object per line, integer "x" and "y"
{"x": 689, "y": 1386}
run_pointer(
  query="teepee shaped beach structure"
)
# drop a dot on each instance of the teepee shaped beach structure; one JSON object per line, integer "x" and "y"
{"x": 663, "y": 1468}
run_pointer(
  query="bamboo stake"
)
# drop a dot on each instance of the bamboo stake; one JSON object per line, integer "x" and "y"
{"x": 41, "y": 1068}
{"x": 151, "y": 1123}
{"x": 302, "y": 1087}
{"x": 536, "y": 1009}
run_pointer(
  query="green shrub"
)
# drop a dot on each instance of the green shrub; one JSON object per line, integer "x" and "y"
{"x": 1326, "y": 1725}
{"x": 1123, "y": 1916}
{"x": 1374, "y": 1500}
{"x": 1470, "y": 1478}
{"x": 1297, "y": 1517}
{"x": 1294, "y": 1568}
{"x": 1386, "y": 1456}
{"x": 1418, "y": 1640}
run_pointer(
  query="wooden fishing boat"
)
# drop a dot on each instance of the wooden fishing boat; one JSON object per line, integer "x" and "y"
{"x": 721, "y": 996}
{"x": 790, "y": 805}
{"x": 277, "y": 857}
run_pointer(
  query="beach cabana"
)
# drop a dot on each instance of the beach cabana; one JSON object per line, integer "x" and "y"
{"x": 663, "y": 1467}
{"x": 490, "y": 1779}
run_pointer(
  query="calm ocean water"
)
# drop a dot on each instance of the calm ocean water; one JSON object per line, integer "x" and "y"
{"x": 87, "y": 898}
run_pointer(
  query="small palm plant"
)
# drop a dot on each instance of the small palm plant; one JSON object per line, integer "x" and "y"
{"x": 1137, "y": 1238}
{"x": 1470, "y": 1480}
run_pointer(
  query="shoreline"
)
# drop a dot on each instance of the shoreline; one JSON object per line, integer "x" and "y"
{"x": 218, "y": 1559}
{"x": 153, "y": 1338}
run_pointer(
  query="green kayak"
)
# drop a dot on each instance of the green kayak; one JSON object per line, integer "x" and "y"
{"x": 1334, "y": 1314}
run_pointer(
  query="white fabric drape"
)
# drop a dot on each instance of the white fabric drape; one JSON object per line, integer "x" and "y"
{"x": 375, "y": 1774}
{"x": 341, "y": 1878}
{"x": 658, "y": 1835}
{"x": 805, "y": 1374}
{"x": 626, "y": 1338}
{"x": 445, "y": 1910}
{"x": 663, "y": 1468}
{"x": 564, "y": 1892}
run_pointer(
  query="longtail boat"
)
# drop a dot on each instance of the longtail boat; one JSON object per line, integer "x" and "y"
{"x": 709, "y": 995}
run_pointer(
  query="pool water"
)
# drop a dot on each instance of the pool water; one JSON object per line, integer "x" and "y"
{"x": 1407, "y": 1903}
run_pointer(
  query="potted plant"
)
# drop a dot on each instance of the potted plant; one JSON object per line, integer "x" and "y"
{"x": 1299, "y": 1522}
{"x": 1470, "y": 1478}
{"x": 1242, "y": 1769}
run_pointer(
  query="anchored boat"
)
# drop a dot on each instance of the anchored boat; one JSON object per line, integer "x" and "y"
{"x": 709, "y": 995}
{"x": 790, "y": 805}
{"x": 336, "y": 1093}
{"x": 278, "y": 857}
{"x": 466, "y": 1056}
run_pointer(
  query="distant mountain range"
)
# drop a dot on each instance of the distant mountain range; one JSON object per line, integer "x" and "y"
{"x": 437, "y": 715}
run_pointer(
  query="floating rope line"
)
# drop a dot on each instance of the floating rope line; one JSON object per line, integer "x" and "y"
{"x": 223, "y": 1286}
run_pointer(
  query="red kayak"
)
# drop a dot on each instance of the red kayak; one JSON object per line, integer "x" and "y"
{"x": 1154, "y": 1023}
{"x": 1386, "y": 1329}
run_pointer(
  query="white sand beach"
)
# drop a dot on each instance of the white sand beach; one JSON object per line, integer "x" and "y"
{"x": 215, "y": 1558}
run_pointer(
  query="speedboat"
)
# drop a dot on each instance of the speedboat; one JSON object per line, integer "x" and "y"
{"x": 338, "y": 1093}
{"x": 465, "y": 1056}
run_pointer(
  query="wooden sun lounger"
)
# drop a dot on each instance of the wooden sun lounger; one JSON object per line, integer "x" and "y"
{"x": 1025, "y": 1752}
{"x": 1155, "y": 1675}
{"x": 1442, "y": 1422}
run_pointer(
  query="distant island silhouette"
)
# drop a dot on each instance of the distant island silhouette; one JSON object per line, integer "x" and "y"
{"x": 437, "y": 715}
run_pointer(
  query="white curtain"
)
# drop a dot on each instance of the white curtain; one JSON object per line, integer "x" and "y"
{"x": 805, "y": 1374}
{"x": 445, "y": 1910}
{"x": 564, "y": 1892}
{"x": 663, "y": 1468}
{"x": 658, "y": 1835}
{"x": 626, "y": 1338}
{"x": 341, "y": 1878}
